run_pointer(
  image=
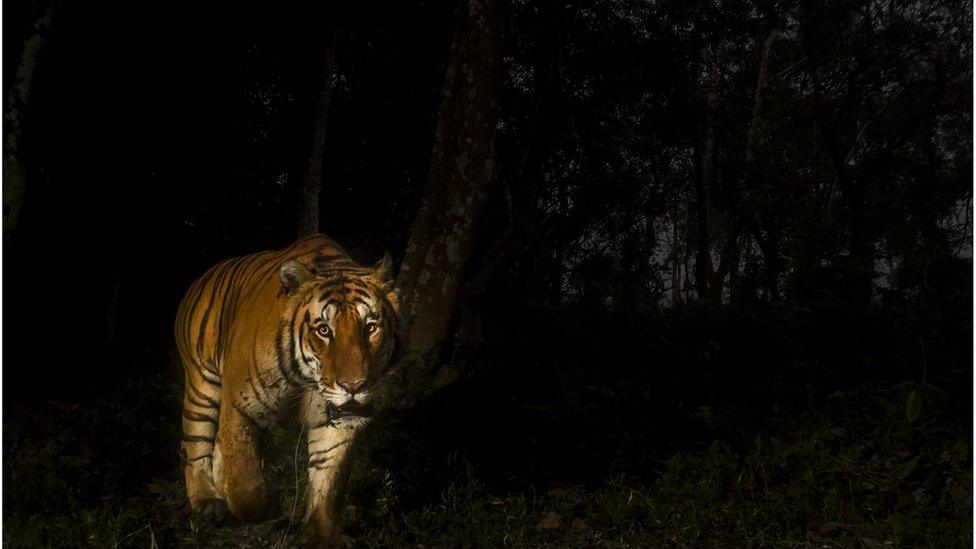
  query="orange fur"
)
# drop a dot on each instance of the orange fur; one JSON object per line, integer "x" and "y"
{"x": 304, "y": 332}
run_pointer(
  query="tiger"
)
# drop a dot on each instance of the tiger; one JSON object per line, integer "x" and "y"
{"x": 300, "y": 333}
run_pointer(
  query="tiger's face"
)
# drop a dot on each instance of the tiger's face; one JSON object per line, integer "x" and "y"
{"x": 342, "y": 331}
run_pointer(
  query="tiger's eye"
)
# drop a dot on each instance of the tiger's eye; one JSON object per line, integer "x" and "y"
{"x": 324, "y": 331}
{"x": 371, "y": 328}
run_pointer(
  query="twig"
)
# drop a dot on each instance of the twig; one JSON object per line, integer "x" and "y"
{"x": 294, "y": 506}
{"x": 130, "y": 534}
{"x": 924, "y": 361}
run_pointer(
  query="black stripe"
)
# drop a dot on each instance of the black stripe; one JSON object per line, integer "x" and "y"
{"x": 197, "y": 438}
{"x": 215, "y": 383}
{"x": 332, "y": 285}
{"x": 317, "y": 463}
{"x": 203, "y": 367}
{"x": 327, "y": 450}
{"x": 193, "y": 416}
{"x": 361, "y": 292}
{"x": 330, "y": 257}
{"x": 357, "y": 299}
{"x": 340, "y": 279}
{"x": 332, "y": 296}
{"x": 283, "y": 361}
{"x": 195, "y": 402}
{"x": 301, "y": 341}
{"x": 191, "y": 303}
{"x": 199, "y": 395}
{"x": 217, "y": 285}
{"x": 260, "y": 274}
{"x": 231, "y": 291}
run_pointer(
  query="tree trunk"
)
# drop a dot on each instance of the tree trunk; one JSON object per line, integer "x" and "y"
{"x": 703, "y": 177}
{"x": 461, "y": 169}
{"x": 770, "y": 254}
{"x": 676, "y": 260}
{"x": 855, "y": 201}
{"x": 757, "y": 99}
{"x": 14, "y": 171}
{"x": 308, "y": 200}
{"x": 556, "y": 271}
{"x": 703, "y": 259}
{"x": 644, "y": 273}
{"x": 853, "y": 191}
{"x": 729, "y": 262}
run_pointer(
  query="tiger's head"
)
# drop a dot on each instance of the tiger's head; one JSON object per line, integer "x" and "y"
{"x": 342, "y": 328}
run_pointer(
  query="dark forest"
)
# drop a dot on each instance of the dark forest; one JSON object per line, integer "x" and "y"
{"x": 670, "y": 273}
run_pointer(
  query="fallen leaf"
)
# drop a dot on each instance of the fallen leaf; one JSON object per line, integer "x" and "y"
{"x": 829, "y": 527}
{"x": 548, "y": 522}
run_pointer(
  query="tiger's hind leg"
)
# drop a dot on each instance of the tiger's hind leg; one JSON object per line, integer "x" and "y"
{"x": 201, "y": 412}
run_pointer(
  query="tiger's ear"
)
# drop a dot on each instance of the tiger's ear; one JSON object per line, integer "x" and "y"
{"x": 382, "y": 274}
{"x": 382, "y": 271}
{"x": 293, "y": 275}
{"x": 393, "y": 297}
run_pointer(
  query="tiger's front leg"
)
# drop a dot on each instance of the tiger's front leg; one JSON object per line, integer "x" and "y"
{"x": 328, "y": 471}
{"x": 241, "y": 478}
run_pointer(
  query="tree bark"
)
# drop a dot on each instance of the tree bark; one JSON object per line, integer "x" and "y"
{"x": 308, "y": 201}
{"x": 14, "y": 170}
{"x": 462, "y": 166}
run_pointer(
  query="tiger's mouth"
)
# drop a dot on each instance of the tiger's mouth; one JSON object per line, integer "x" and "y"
{"x": 350, "y": 408}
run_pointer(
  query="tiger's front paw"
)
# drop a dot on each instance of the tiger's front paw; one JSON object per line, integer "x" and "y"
{"x": 319, "y": 535}
{"x": 210, "y": 512}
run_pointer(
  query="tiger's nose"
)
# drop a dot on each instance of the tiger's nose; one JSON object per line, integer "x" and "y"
{"x": 351, "y": 386}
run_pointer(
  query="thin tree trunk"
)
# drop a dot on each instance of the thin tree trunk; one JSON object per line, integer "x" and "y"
{"x": 703, "y": 260}
{"x": 729, "y": 260}
{"x": 556, "y": 281}
{"x": 703, "y": 178}
{"x": 757, "y": 99}
{"x": 648, "y": 245}
{"x": 853, "y": 193}
{"x": 676, "y": 259}
{"x": 308, "y": 203}
{"x": 770, "y": 253}
{"x": 855, "y": 200}
{"x": 461, "y": 168}
{"x": 734, "y": 273}
{"x": 18, "y": 99}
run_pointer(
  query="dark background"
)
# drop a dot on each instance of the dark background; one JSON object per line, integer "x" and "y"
{"x": 167, "y": 139}
{"x": 162, "y": 137}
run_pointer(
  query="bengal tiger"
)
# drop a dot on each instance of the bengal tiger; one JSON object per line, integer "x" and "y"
{"x": 302, "y": 332}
